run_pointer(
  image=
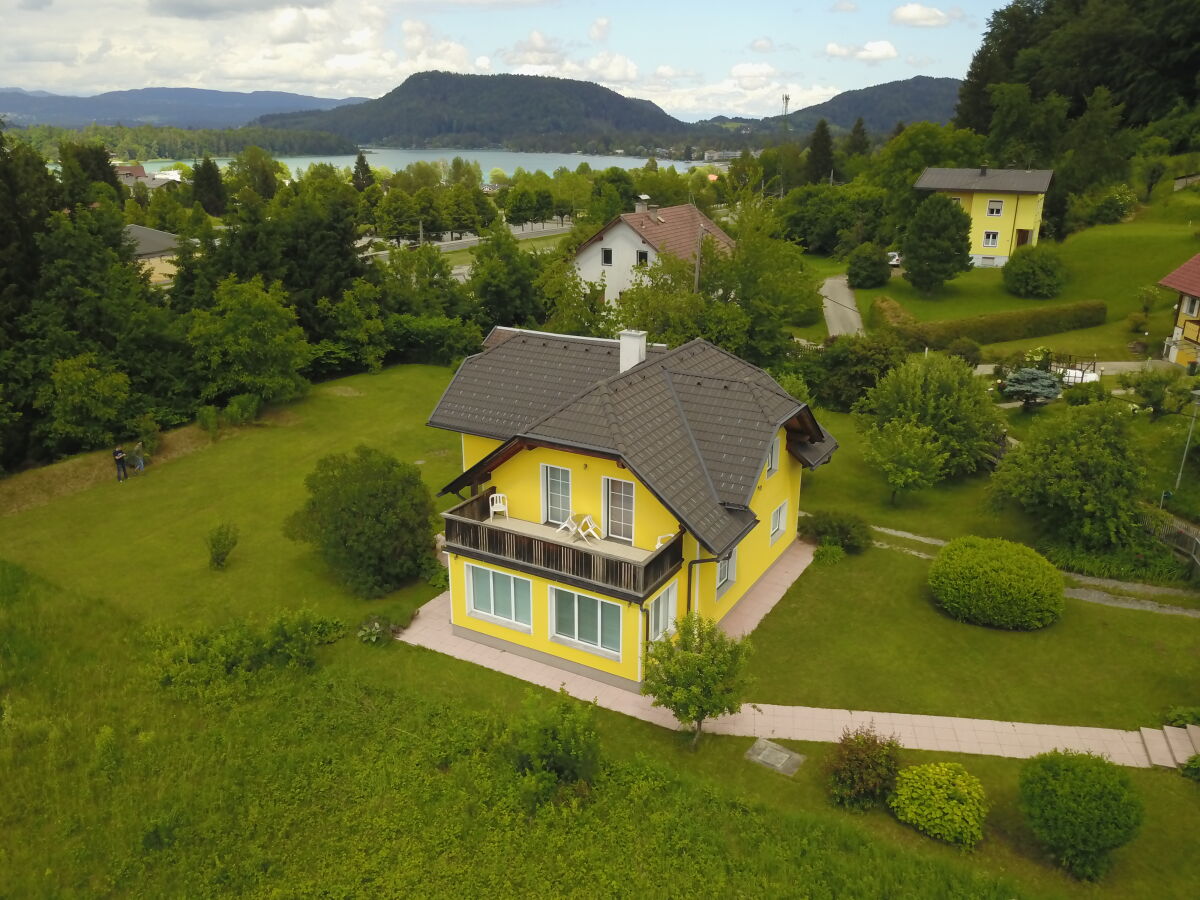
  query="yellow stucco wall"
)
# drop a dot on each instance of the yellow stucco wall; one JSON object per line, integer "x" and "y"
{"x": 539, "y": 637}
{"x": 1020, "y": 211}
{"x": 756, "y": 552}
{"x": 475, "y": 448}
{"x": 520, "y": 478}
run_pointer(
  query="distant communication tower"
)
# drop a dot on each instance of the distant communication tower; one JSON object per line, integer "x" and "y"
{"x": 786, "y": 100}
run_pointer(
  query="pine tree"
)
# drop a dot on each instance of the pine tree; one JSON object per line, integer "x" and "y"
{"x": 208, "y": 188}
{"x": 362, "y": 178}
{"x": 820, "y": 154}
{"x": 859, "y": 143}
{"x": 937, "y": 244}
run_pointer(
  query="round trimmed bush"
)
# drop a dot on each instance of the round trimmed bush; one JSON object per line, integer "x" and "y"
{"x": 942, "y": 800}
{"x": 989, "y": 581}
{"x": 1080, "y": 807}
{"x": 1034, "y": 271}
{"x": 867, "y": 266}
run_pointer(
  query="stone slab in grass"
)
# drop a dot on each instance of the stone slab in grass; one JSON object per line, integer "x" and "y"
{"x": 769, "y": 754}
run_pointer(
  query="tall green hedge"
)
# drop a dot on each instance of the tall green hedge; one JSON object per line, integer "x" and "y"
{"x": 990, "y": 328}
{"x": 989, "y": 581}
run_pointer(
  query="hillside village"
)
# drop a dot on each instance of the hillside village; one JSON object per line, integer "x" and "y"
{"x": 819, "y": 521}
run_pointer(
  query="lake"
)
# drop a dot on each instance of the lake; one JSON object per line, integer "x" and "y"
{"x": 508, "y": 160}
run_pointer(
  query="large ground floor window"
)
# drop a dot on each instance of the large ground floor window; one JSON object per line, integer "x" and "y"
{"x": 500, "y": 595}
{"x": 662, "y": 613}
{"x": 586, "y": 620}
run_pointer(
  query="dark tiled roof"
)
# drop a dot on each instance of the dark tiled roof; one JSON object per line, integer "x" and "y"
{"x": 672, "y": 229}
{"x": 694, "y": 424}
{"x": 151, "y": 241}
{"x": 1185, "y": 279}
{"x": 1010, "y": 181}
{"x": 521, "y": 376}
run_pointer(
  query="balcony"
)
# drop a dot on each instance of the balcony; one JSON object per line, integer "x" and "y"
{"x": 609, "y": 567}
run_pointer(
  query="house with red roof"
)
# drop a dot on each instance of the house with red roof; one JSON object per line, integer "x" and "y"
{"x": 1183, "y": 346}
{"x": 635, "y": 240}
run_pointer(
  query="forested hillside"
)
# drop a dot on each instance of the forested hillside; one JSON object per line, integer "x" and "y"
{"x": 179, "y": 107}
{"x": 444, "y": 109}
{"x": 144, "y": 142}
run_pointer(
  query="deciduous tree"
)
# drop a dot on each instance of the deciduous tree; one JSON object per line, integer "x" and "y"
{"x": 909, "y": 455}
{"x": 697, "y": 673}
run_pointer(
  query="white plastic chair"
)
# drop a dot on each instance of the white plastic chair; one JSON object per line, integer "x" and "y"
{"x": 497, "y": 503}
{"x": 588, "y": 528}
{"x": 569, "y": 525}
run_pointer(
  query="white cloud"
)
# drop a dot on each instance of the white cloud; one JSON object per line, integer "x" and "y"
{"x": 612, "y": 68}
{"x": 483, "y": 63}
{"x": 598, "y": 30}
{"x": 33, "y": 5}
{"x": 762, "y": 45}
{"x": 753, "y": 76}
{"x": 870, "y": 52}
{"x": 914, "y": 15}
{"x": 846, "y": 6}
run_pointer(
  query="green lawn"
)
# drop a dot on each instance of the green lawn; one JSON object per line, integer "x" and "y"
{"x": 363, "y": 777}
{"x": 946, "y": 511}
{"x": 1107, "y": 262}
{"x": 466, "y": 256}
{"x": 1097, "y": 666}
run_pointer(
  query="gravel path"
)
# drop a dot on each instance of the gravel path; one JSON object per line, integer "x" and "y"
{"x": 841, "y": 312}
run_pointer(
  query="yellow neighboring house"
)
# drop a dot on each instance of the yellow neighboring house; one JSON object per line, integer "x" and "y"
{"x": 1005, "y": 206}
{"x": 609, "y": 487}
{"x": 1183, "y": 346}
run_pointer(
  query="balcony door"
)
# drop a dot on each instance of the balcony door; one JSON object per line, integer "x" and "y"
{"x": 618, "y": 509}
{"x": 556, "y": 494}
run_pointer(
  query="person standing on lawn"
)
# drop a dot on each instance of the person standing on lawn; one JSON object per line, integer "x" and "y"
{"x": 119, "y": 459}
{"x": 139, "y": 458}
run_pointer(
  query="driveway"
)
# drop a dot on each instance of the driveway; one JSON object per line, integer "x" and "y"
{"x": 841, "y": 312}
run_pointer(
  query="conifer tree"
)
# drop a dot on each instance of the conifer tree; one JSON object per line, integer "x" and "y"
{"x": 820, "y": 154}
{"x": 362, "y": 178}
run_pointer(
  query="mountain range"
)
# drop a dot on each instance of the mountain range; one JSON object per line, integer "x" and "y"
{"x": 179, "y": 107}
{"x": 454, "y": 110}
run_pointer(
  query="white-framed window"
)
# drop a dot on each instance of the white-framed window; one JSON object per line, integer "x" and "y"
{"x": 726, "y": 571}
{"x": 590, "y": 621}
{"x": 618, "y": 509}
{"x": 995, "y": 208}
{"x": 498, "y": 596}
{"x": 663, "y": 613}
{"x": 556, "y": 494}
{"x": 957, "y": 200}
{"x": 1189, "y": 305}
{"x": 643, "y": 257}
{"x": 778, "y": 521}
{"x": 991, "y": 239}
{"x": 987, "y": 261}
{"x": 773, "y": 456}
{"x": 606, "y": 256}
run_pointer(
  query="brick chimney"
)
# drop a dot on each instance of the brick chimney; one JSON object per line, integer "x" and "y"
{"x": 983, "y": 170}
{"x": 633, "y": 349}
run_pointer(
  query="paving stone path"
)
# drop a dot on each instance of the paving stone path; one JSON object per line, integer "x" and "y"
{"x": 431, "y": 629}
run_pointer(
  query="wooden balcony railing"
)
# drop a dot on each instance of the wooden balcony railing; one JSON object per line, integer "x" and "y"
{"x": 470, "y": 532}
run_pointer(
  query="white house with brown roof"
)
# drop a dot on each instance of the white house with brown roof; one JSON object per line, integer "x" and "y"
{"x": 637, "y": 239}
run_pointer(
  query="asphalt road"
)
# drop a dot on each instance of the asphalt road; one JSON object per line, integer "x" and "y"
{"x": 841, "y": 312}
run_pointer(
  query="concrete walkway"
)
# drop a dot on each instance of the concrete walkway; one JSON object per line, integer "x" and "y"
{"x": 841, "y": 312}
{"x": 431, "y": 629}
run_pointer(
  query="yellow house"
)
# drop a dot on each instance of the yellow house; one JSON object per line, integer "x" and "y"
{"x": 609, "y": 487}
{"x": 1005, "y": 206}
{"x": 1183, "y": 346}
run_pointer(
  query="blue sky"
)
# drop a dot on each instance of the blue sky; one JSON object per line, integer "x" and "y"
{"x": 693, "y": 59}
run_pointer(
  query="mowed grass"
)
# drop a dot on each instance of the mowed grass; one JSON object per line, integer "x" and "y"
{"x": 1107, "y": 262}
{"x": 865, "y": 634}
{"x": 948, "y": 510}
{"x": 466, "y": 256}
{"x": 319, "y": 783}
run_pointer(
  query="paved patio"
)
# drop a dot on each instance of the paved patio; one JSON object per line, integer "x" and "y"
{"x": 431, "y": 629}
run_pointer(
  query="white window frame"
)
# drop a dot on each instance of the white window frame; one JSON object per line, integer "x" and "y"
{"x": 999, "y": 208}
{"x": 991, "y": 239}
{"x": 1190, "y": 304}
{"x": 726, "y": 572}
{"x": 779, "y": 521}
{"x": 573, "y": 640}
{"x": 606, "y": 482}
{"x": 643, "y": 257}
{"x": 606, "y": 251}
{"x": 491, "y": 615}
{"x": 546, "y": 467}
{"x": 773, "y": 457}
{"x": 663, "y": 611}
